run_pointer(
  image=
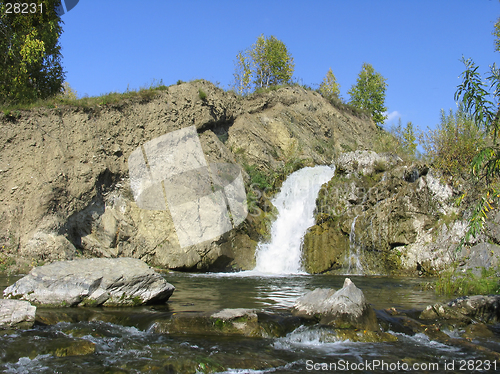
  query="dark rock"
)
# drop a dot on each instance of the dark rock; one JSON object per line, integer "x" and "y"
{"x": 16, "y": 314}
{"x": 466, "y": 309}
{"x": 242, "y": 322}
{"x": 92, "y": 282}
{"x": 345, "y": 308}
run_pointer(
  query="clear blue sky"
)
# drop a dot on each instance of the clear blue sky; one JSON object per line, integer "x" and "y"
{"x": 416, "y": 44}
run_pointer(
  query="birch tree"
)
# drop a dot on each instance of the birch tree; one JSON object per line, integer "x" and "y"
{"x": 266, "y": 63}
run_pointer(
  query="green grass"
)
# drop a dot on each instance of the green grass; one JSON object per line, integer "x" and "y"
{"x": 452, "y": 284}
{"x": 145, "y": 93}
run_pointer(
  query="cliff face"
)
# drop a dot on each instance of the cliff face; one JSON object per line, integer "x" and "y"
{"x": 64, "y": 173}
{"x": 380, "y": 215}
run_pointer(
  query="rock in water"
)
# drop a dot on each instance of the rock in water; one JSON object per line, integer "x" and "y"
{"x": 468, "y": 309}
{"x": 92, "y": 282}
{"x": 345, "y": 308}
{"x": 16, "y": 314}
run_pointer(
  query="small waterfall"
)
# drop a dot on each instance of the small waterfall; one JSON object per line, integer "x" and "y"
{"x": 295, "y": 204}
{"x": 354, "y": 255}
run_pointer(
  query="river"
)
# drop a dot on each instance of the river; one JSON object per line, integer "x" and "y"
{"x": 125, "y": 343}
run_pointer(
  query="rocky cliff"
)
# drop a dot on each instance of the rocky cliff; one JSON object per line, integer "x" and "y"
{"x": 64, "y": 176}
{"x": 381, "y": 215}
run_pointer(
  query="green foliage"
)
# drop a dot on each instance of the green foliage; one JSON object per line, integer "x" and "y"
{"x": 453, "y": 144}
{"x": 242, "y": 73}
{"x": 30, "y": 67}
{"x": 369, "y": 93}
{"x": 145, "y": 93}
{"x": 329, "y": 88}
{"x": 496, "y": 34}
{"x": 409, "y": 139}
{"x": 266, "y": 63}
{"x": 259, "y": 178}
{"x": 480, "y": 100}
{"x": 452, "y": 284}
{"x": 388, "y": 142}
{"x": 68, "y": 92}
{"x": 406, "y": 139}
{"x": 202, "y": 94}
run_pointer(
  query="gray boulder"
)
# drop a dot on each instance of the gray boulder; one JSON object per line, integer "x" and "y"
{"x": 92, "y": 282}
{"x": 481, "y": 256}
{"x": 16, "y": 314}
{"x": 345, "y": 308}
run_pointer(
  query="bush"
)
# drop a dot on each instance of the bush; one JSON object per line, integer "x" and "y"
{"x": 202, "y": 94}
{"x": 453, "y": 144}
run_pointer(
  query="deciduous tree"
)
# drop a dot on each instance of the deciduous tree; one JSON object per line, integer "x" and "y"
{"x": 242, "y": 73}
{"x": 266, "y": 63}
{"x": 481, "y": 100}
{"x": 329, "y": 88}
{"x": 369, "y": 93}
{"x": 30, "y": 54}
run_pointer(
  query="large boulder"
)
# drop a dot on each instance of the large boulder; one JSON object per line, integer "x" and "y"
{"x": 92, "y": 282}
{"x": 16, "y": 314}
{"x": 345, "y": 308}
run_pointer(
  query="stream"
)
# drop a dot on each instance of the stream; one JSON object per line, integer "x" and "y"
{"x": 125, "y": 343}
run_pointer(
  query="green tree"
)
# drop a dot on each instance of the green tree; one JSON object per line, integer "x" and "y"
{"x": 266, "y": 63}
{"x": 406, "y": 139}
{"x": 329, "y": 88}
{"x": 68, "y": 92}
{"x": 481, "y": 101}
{"x": 369, "y": 93}
{"x": 30, "y": 67}
{"x": 242, "y": 73}
{"x": 409, "y": 139}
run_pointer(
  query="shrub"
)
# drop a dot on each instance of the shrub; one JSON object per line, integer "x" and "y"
{"x": 202, "y": 94}
{"x": 454, "y": 143}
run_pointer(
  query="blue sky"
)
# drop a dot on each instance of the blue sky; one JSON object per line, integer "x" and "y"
{"x": 417, "y": 45}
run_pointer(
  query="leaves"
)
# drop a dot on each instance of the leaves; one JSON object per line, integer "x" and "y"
{"x": 30, "y": 55}
{"x": 329, "y": 88}
{"x": 267, "y": 63}
{"x": 454, "y": 143}
{"x": 369, "y": 93}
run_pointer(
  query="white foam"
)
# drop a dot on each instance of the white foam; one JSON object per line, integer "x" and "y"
{"x": 295, "y": 204}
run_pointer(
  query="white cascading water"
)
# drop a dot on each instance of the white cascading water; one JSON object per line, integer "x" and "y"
{"x": 295, "y": 204}
{"x": 354, "y": 255}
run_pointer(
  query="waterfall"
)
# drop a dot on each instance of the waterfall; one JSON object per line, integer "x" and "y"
{"x": 354, "y": 255}
{"x": 295, "y": 204}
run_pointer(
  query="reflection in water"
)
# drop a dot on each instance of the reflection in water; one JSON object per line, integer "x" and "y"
{"x": 250, "y": 289}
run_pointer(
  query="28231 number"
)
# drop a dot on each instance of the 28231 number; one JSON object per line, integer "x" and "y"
{"x": 23, "y": 8}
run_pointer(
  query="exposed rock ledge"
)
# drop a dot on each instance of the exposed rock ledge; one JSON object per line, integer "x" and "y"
{"x": 92, "y": 282}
